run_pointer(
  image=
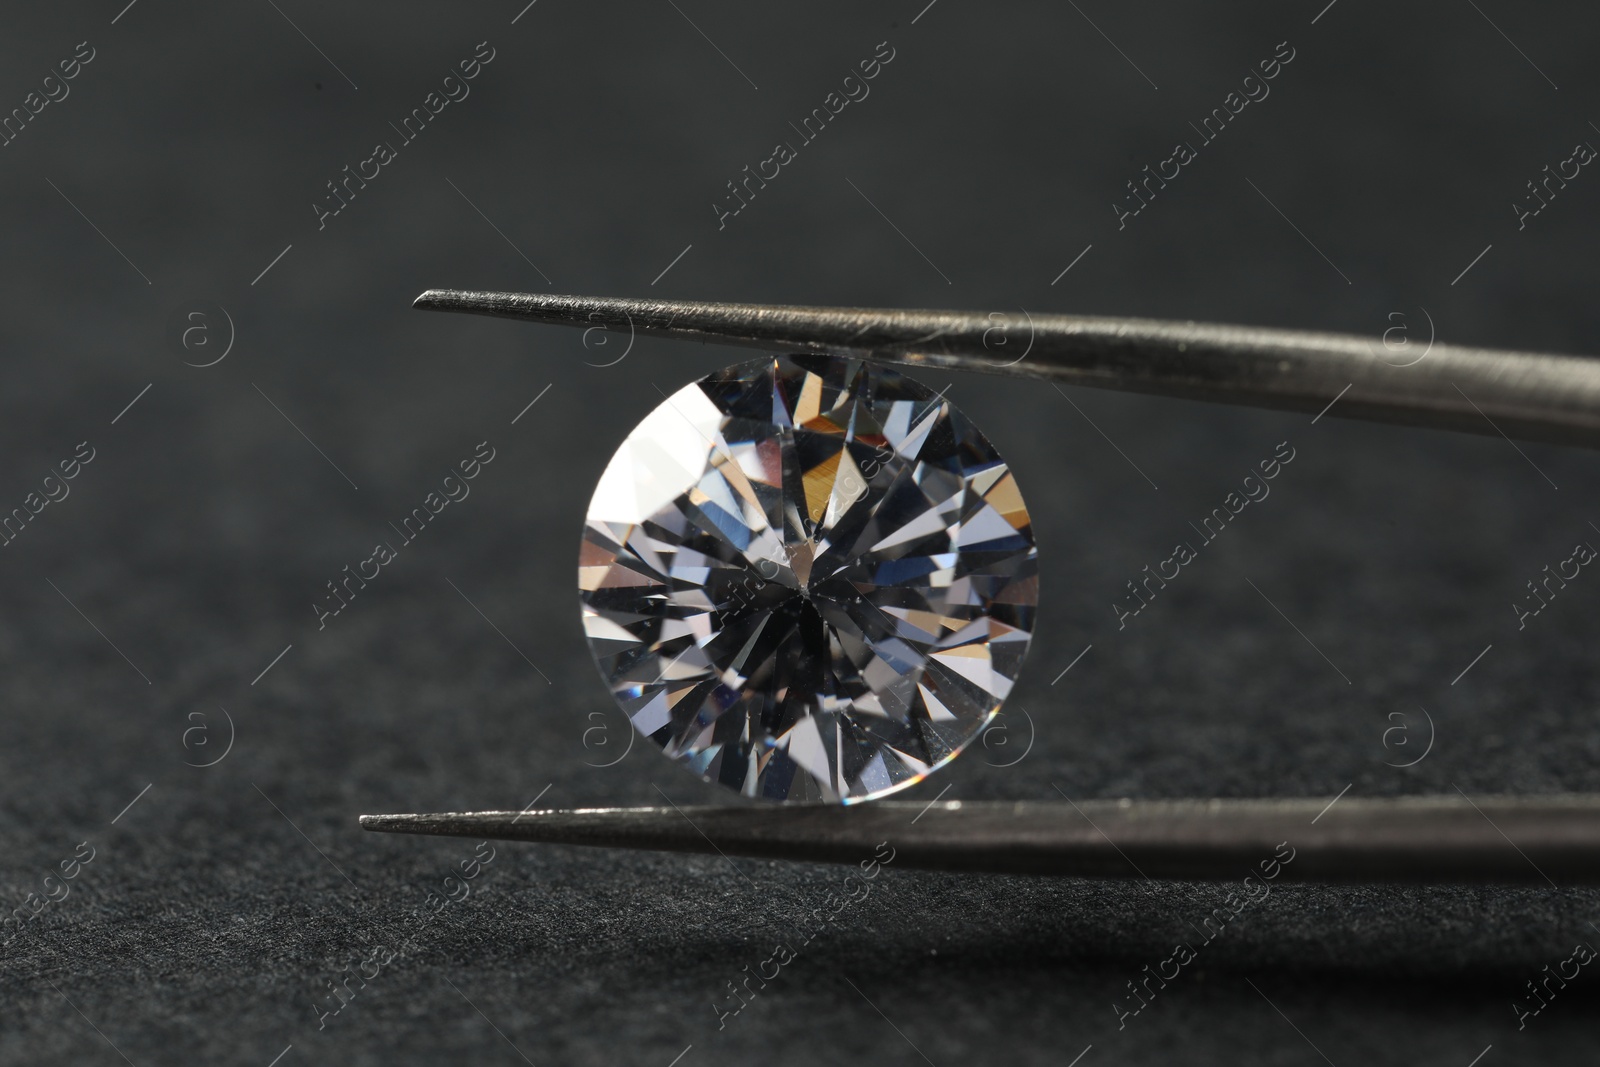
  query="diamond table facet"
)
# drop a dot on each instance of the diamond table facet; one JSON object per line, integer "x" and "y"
{"x": 808, "y": 579}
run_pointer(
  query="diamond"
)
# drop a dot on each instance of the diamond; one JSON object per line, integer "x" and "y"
{"x": 808, "y": 579}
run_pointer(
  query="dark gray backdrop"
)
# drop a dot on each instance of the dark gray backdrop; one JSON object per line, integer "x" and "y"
{"x": 586, "y": 159}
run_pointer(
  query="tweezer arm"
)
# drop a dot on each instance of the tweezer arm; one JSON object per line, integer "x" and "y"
{"x": 1440, "y": 839}
{"x": 1551, "y": 398}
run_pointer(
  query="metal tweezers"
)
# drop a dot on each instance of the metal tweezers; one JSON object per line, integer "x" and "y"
{"x": 1550, "y": 398}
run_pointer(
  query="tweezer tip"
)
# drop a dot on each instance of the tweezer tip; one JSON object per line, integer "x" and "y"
{"x": 430, "y": 300}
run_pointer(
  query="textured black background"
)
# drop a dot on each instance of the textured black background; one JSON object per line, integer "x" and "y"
{"x": 997, "y": 139}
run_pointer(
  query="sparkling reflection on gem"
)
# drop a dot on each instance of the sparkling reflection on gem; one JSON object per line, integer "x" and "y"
{"x": 808, "y": 579}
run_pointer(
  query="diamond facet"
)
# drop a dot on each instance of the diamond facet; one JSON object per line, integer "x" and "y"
{"x": 808, "y": 578}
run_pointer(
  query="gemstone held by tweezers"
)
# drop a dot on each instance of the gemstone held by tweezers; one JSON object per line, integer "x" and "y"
{"x": 808, "y": 578}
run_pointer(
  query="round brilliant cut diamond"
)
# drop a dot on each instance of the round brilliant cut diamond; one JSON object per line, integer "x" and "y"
{"x": 808, "y": 578}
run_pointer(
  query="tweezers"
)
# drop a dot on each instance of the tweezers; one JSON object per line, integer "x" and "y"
{"x": 1549, "y": 398}
{"x": 1527, "y": 395}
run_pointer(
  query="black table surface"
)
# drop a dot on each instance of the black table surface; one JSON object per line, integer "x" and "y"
{"x": 162, "y": 608}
